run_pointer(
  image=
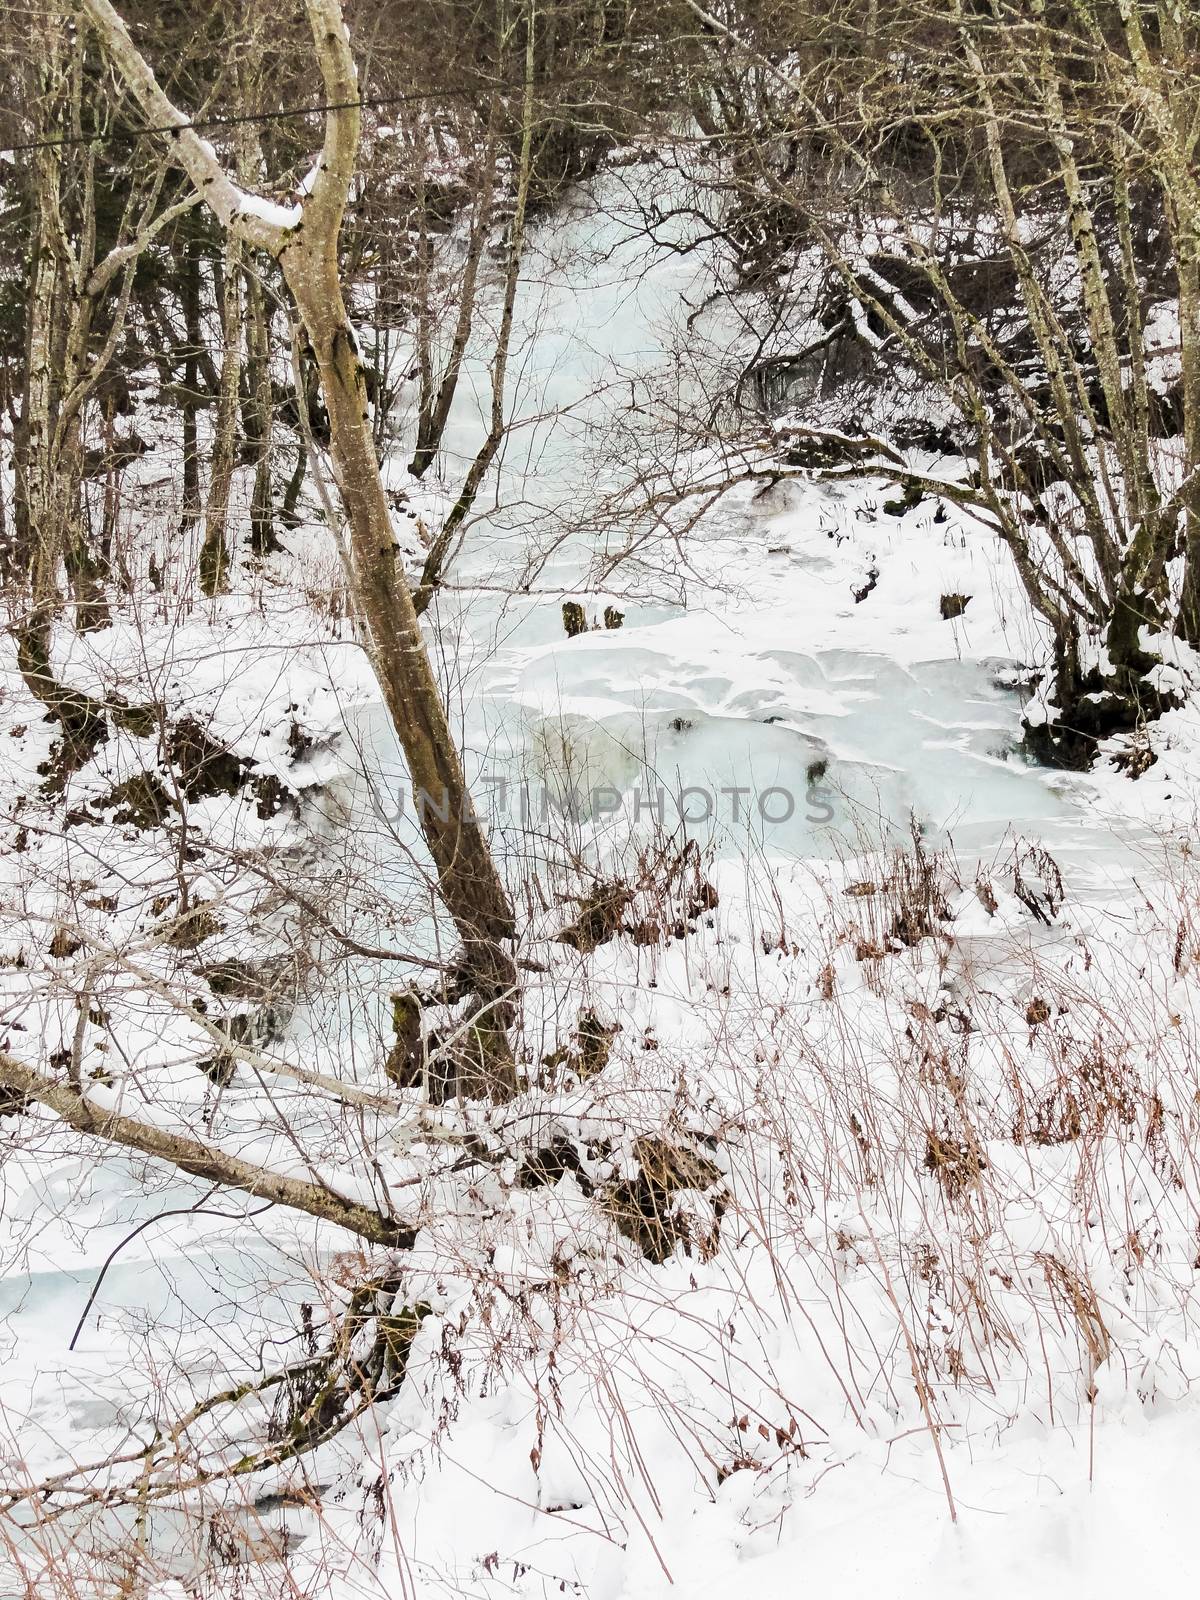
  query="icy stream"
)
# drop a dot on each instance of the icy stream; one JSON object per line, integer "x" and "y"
{"x": 752, "y": 695}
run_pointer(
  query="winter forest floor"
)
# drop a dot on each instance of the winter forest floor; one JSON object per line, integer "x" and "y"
{"x": 847, "y": 1233}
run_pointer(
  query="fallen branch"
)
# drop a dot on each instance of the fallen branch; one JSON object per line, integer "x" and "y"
{"x": 201, "y": 1160}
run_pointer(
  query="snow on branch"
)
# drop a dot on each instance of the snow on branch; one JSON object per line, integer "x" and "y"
{"x": 84, "y": 1112}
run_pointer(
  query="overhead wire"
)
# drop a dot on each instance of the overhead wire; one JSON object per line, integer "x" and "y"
{"x": 130, "y": 135}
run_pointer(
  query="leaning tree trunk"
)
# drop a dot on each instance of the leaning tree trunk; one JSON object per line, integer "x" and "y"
{"x": 467, "y": 878}
{"x": 305, "y": 245}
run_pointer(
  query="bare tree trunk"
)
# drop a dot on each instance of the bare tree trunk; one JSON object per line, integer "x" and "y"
{"x": 34, "y": 467}
{"x": 259, "y": 417}
{"x": 305, "y": 246}
{"x": 442, "y": 549}
{"x": 467, "y": 877}
{"x": 436, "y": 401}
{"x": 191, "y": 380}
{"x": 68, "y": 289}
{"x": 48, "y": 477}
{"x": 71, "y": 1103}
{"x": 214, "y": 557}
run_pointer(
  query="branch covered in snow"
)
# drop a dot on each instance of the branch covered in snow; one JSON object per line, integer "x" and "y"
{"x": 82, "y": 1112}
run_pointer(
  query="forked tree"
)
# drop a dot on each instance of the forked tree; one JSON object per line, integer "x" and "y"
{"x": 303, "y": 239}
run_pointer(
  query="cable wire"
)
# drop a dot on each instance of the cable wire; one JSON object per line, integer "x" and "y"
{"x": 130, "y": 135}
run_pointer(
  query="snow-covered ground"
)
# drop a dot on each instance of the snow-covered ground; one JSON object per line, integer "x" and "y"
{"x": 924, "y": 1317}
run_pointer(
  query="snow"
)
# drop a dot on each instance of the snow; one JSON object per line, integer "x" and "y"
{"x": 270, "y": 211}
{"x": 743, "y": 1414}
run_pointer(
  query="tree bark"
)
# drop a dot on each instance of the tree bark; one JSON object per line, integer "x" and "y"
{"x": 467, "y": 877}
{"x": 191, "y": 383}
{"x": 259, "y": 416}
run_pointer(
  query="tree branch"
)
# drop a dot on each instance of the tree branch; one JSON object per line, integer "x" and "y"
{"x": 106, "y": 270}
{"x": 200, "y": 1160}
{"x": 234, "y": 207}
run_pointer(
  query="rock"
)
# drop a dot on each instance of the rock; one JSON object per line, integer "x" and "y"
{"x": 142, "y": 801}
{"x": 593, "y": 1039}
{"x": 908, "y": 501}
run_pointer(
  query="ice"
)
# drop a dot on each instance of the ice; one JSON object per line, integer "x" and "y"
{"x": 764, "y": 653}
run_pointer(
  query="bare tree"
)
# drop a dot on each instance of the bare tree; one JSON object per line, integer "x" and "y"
{"x": 304, "y": 239}
{"x": 77, "y": 309}
{"x": 214, "y": 558}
